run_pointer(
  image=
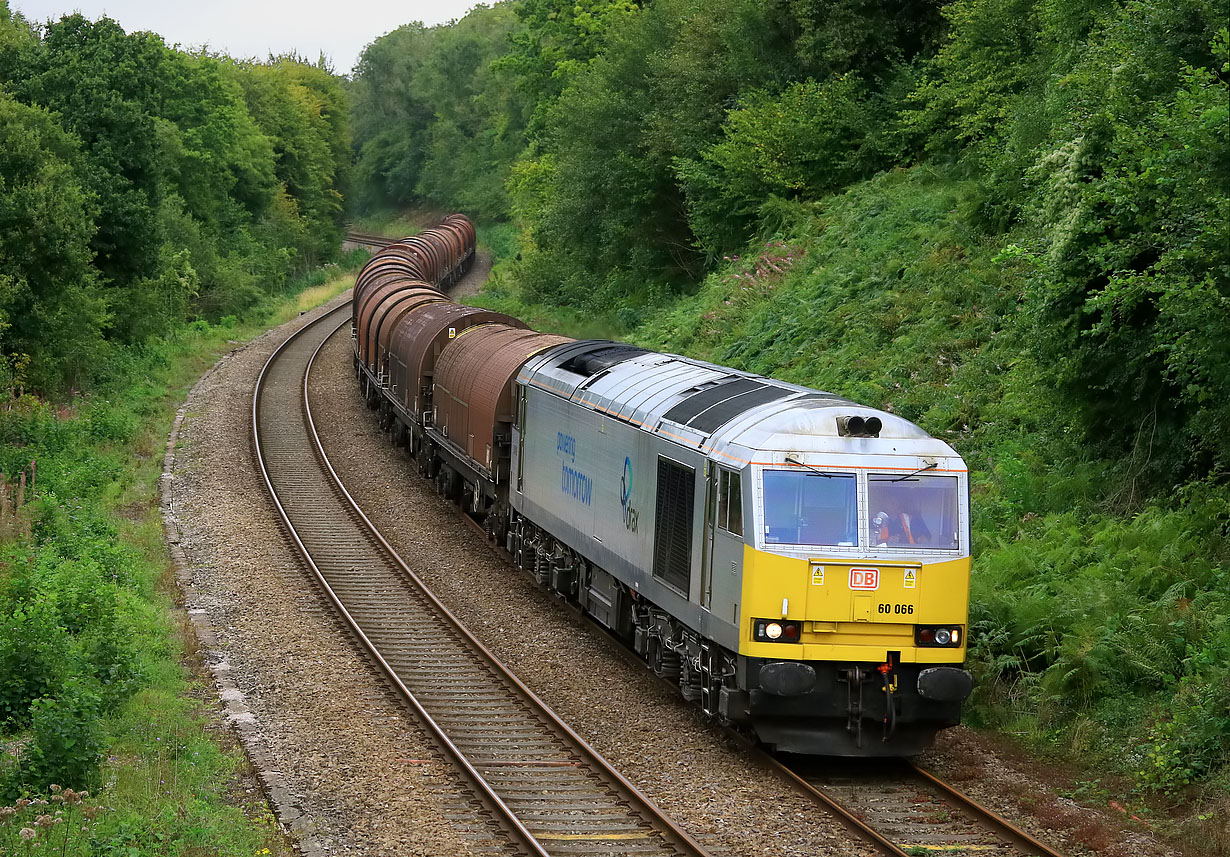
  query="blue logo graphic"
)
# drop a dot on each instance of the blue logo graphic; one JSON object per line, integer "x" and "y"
{"x": 631, "y": 515}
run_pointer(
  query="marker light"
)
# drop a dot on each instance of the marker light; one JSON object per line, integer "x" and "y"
{"x": 777, "y": 631}
{"x": 931, "y": 636}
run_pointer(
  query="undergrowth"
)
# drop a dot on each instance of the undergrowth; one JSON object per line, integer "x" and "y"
{"x": 93, "y": 692}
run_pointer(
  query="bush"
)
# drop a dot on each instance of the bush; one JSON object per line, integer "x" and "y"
{"x": 35, "y": 657}
{"x": 806, "y": 141}
{"x": 67, "y": 744}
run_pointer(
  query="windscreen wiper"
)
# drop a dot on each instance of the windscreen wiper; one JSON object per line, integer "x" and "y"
{"x": 930, "y": 466}
{"x": 790, "y": 460}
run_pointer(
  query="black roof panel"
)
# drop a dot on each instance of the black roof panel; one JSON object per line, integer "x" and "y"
{"x": 714, "y": 406}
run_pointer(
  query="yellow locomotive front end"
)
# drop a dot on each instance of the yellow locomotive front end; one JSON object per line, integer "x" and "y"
{"x": 855, "y": 593}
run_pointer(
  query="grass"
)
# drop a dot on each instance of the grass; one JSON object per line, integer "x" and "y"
{"x": 314, "y": 296}
{"x": 548, "y": 319}
{"x": 499, "y": 240}
{"x": 170, "y": 780}
{"x": 389, "y": 224}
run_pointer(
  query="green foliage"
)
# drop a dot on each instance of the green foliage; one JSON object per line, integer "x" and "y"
{"x": 437, "y": 121}
{"x": 89, "y": 658}
{"x": 51, "y": 312}
{"x": 983, "y": 67}
{"x": 299, "y": 108}
{"x": 556, "y": 41}
{"x": 103, "y": 83}
{"x": 810, "y": 139}
{"x": 656, "y": 159}
{"x": 1134, "y": 290}
{"x": 1128, "y": 618}
{"x": 143, "y": 186}
{"x": 18, "y": 39}
{"x": 68, "y": 742}
{"x": 34, "y": 658}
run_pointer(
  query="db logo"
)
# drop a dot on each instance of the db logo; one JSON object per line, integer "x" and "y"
{"x": 864, "y": 578}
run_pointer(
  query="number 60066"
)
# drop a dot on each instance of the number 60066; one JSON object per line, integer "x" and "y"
{"x": 899, "y": 609}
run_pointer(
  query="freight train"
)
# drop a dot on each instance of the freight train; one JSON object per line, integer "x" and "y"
{"x": 797, "y": 564}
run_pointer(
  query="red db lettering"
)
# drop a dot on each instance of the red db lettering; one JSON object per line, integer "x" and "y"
{"x": 865, "y": 578}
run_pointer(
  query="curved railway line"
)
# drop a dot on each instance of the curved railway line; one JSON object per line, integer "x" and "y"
{"x": 544, "y": 790}
{"x": 549, "y": 793}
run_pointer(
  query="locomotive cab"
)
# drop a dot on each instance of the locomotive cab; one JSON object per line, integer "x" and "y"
{"x": 855, "y": 580}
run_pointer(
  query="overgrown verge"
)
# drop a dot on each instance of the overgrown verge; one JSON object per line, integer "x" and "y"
{"x": 93, "y": 692}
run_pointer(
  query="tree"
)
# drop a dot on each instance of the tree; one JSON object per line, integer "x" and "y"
{"x": 102, "y": 83}
{"x": 51, "y": 312}
{"x": 299, "y": 108}
{"x": 1132, "y": 304}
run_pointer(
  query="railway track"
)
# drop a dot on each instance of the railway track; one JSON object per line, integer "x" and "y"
{"x": 905, "y": 810}
{"x": 545, "y": 790}
{"x": 366, "y": 239}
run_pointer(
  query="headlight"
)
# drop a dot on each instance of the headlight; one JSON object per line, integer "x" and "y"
{"x": 776, "y": 631}
{"x": 930, "y": 636}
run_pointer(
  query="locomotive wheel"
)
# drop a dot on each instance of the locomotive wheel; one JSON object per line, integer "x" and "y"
{"x": 662, "y": 660}
{"x": 689, "y": 680}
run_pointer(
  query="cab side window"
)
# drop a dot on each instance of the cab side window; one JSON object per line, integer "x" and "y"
{"x": 730, "y": 502}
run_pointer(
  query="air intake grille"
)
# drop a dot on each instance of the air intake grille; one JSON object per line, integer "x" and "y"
{"x": 672, "y": 542}
{"x": 713, "y": 407}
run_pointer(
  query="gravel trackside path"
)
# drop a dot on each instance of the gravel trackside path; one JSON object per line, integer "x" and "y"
{"x": 348, "y": 772}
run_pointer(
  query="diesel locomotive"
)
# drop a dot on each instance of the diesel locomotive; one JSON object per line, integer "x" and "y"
{"x": 796, "y": 563}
